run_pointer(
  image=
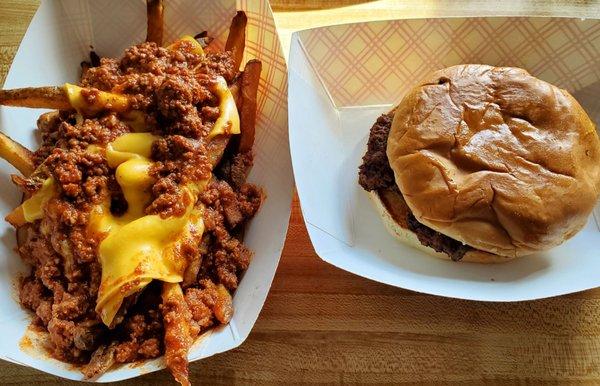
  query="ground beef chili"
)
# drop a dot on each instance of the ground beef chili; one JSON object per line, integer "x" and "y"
{"x": 226, "y": 210}
{"x": 173, "y": 90}
{"x": 376, "y": 174}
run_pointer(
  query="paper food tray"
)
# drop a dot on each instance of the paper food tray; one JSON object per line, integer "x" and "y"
{"x": 341, "y": 78}
{"x": 57, "y": 40}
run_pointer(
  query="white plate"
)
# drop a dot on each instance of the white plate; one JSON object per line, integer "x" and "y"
{"x": 342, "y": 77}
{"x": 57, "y": 40}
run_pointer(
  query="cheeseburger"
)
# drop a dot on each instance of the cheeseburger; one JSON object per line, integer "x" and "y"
{"x": 483, "y": 164}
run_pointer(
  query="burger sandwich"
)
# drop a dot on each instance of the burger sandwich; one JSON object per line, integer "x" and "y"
{"x": 483, "y": 164}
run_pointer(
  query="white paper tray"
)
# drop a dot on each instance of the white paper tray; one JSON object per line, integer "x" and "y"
{"x": 342, "y": 77}
{"x": 57, "y": 40}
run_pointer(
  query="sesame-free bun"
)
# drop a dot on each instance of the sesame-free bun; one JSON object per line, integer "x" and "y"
{"x": 495, "y": 158}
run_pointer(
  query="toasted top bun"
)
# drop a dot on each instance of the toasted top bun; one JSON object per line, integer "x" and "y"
{"x": 495, "y": 158}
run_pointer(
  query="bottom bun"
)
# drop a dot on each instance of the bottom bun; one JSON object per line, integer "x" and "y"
{"x": 393, "y": 210}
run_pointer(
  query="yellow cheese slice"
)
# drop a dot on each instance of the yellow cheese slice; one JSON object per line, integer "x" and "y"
{"x": 130, "y": 146}
{"x": 102, "y": 101}
{"x": 33, "y": 207}
{"x": 146, "y": 249}
{"x": 139, "y": 248}
{"x": 229, "y": 119}
{"x": 196, "y": 46}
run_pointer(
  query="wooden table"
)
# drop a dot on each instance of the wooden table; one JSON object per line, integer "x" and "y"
{"x": 321, "y": 324}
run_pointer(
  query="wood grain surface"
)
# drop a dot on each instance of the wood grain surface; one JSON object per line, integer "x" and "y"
{"x": 321, "y": 324}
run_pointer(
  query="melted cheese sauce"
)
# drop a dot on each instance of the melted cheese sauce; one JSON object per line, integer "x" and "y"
{"x": 196, "y": 47}
{"x": 33, "y": 208}
{"x": 229, "y": 119}
{"x": 137, "y": 248}
{"x": 102, "y": 101}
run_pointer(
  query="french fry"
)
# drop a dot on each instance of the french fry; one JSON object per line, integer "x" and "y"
{"x": 102, "y": 359}
{"x": 203, "y": 39}
{"x": 17, "y": 155}
{"x": 154, "y": 32}
{"x": 68, "y": 97}
{"x": 249, "y": 90}
{"x": 94, "y": 59}
{"x": 236, "y": 40}
{"x": 20, "y": 182}
{"x": 16, "y": 218}
{"x": 85, "y": 66}
{"x": 36, "y": 97}
{"x": 49, "y": 121}
{"x": 216, "y": 147}
{"x": 211, "y": 48}
{"x": 224, "y": 305}
{"x": 102, "y": 100}
{"x": 190, "y": 276}
{"x": 179, "y": 332}
{"x": 235, "y": 88}
{"x": 22, "y": 235}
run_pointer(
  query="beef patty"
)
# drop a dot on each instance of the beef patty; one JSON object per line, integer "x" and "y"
{"x": 375, "y": 174}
